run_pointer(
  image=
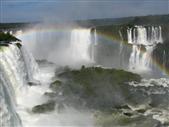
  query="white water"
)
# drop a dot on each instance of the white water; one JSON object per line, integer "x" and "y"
{"x": 35, "y": 95}
{"x": 121, "y": 44}
{"x": 66, "y": 47}
{"x": 94, "y": 43}
{"x": 158, "y": 113}
{"x": 30, "y": 64}
{"x": 164, "y": 62}
{"x": 8, "y": 116}
{"x": 14, "y": 75}
{"x": 80, "y": 44}
{"x": 16, "y": 97}
{"x": 20, "y": 67}
{"x": 143, "y": 37}
{"x": 95, "y": 37}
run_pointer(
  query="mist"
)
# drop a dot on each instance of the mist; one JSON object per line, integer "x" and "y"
{"x": 67, "y": 46}
{"x": 68, "y": 70}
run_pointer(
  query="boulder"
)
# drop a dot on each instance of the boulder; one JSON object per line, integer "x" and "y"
{"x": 43, "y": 108}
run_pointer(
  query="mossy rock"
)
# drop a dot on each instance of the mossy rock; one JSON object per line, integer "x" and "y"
{"x": 99, "y": 87}
{"x": 55, "y": 85}
{"x": 19, "y": 45}
{"x": 50, "y": 94}
{"x": 43, "y": 108}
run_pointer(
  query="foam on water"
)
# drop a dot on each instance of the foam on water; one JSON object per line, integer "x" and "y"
{"x": 152, "y": 82}
{"x": 159, "y": 87}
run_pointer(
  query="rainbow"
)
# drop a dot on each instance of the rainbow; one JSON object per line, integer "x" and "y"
{"x": 51, "y": 29}
{"x": 157, "y": 64}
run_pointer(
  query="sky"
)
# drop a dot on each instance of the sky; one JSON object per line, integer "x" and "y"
{"x": 66, "y": 10}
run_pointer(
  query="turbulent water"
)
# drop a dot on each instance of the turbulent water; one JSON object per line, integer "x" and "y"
{"x": 24, "y": 83}
{"x": 143, "y": 40}
{"x": 15, "y": 73}
{"x": 19, "y": 70}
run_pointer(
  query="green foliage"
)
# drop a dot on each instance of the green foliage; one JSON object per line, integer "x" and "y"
{"x": 150, "y": 20}
{"x": 9, "y": 26}
{"x": 100, "y": 88}
{"x": 55, "y": 85}
{"x": 7, "y": 38}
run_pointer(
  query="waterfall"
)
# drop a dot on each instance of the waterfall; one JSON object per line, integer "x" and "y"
{"x": 121, "y": 44}
{"x": 14, "y": 75}
{"x": 80, "y": 44}
{"x": 63, "y": 47}
{"x": 94, "y": 44}
{"x": 8, "y": 115}
{"x": 30, "y": 64}
{"x": 95, "y": 37}
{"x": 121, "y": 54}
{"x": 164, "y": 61}
{"x": 143, "y": 40}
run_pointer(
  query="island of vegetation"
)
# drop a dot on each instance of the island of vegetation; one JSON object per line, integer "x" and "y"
{"x": 105, "y": 92}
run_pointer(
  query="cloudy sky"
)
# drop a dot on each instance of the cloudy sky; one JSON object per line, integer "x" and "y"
{"x": 62, "y": 10}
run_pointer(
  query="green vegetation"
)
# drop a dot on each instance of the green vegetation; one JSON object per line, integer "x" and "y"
{"x": 7, "y": 38}
{"x": 14, "y": 26}
{"x": 98, "y": 87}
{"x": 150, "y": 20}
{"x": 55, "y": 85}
{"x": 137, "y": 20}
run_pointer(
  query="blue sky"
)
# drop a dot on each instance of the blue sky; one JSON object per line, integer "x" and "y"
{"x": 63, "y": 10}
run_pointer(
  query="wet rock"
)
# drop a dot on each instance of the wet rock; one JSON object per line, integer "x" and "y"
{"x": 141, "y": 111}
{"x": 33, "y": 83}
{"x": 44, "y": 62}
{"x": 123, "y": 107}
{"x": 129, "y": 114}
{"x": 19, "y": 45}
{"x": 55, "y": 85}
{"x": 50, "y": 94}
{"x": 43, "y": 108}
